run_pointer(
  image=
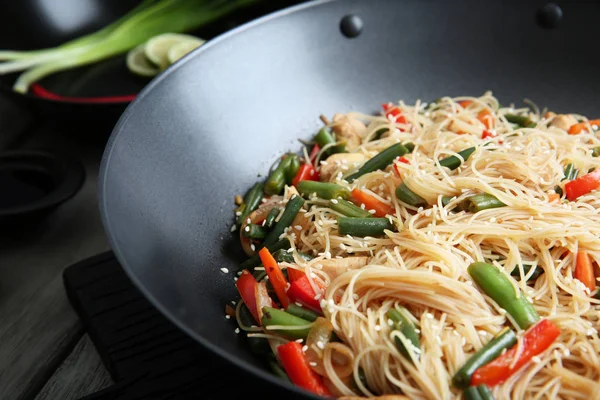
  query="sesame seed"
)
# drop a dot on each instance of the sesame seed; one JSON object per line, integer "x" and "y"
{"x": 299, "y": 340}
{"x": 247, "y": 229}
{"x": 566, "y": 352}
{"x": 227, "y": 316}
{"x": 238, "y": 213}
{"x": 355, "y": 296}
{"x": 237, "y": 330}
{"x": 372, "y": 211}
{"x": 320, "y": 345}
{"x": 304, "y": 348}
{"x": 225, "y": 270}
{"x": 313, "y": 275}
{"x": 377, "y": 328}
{"x": 248, "y": 221}
{"x": 317, "y": 296}
{"x": 233, "y": 228}
{"x": 342, "y": 246}
{"x": 298, "y": 227}
{"x": 252, "y": 247}
{"x": 362, "y": 206}
{"x": 536, "y": 359}
{"x": 429, "y": 315}
{"x": 312, "y": 364}
{"x": 334, "y": 201}
{"x": 235, "y": 279}
{"x": 233, "y": 302}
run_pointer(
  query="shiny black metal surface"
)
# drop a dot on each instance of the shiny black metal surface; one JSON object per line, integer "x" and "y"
{"x": 205, "y": 129}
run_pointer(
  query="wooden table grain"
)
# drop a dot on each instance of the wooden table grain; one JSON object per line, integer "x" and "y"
{"x": 44, "y": 353}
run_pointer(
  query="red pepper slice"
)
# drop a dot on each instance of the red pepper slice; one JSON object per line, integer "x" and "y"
{"x": 582, "y": 185}
{"x": 306, "y": 172}
{"x": 40, "y": 91}
{"x": 246, "y": 285}
{"x": 393, "y": 113}
{"x": 297, "y": 368}
{"x": 302, "y": 292}
{"x": 535, "y": 341}
{"x": 295, "y": 274}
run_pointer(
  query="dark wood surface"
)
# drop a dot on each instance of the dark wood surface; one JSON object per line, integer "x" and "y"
{"x": 43, "y": 350}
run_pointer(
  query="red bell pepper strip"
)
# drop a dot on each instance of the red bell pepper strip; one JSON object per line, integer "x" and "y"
{"x": 535, "y": 341}
{"x": 246, "y": 285}
{"x": 582, "y": 185}
{"x": 393, "y": 113}
{"x": 584, "y": 270}
{"x": 275, "y": 275}
{"x": 302, "y": 292}
{"x": 297, "y": 368}
{"x": 39, "y": 91}
{"x": 294, "y": 274}
{"x": 487, "y": 134}
{"x": 313, "y": 153}
{"x": 306, "y": 172}
{"x": 372, "y": 203}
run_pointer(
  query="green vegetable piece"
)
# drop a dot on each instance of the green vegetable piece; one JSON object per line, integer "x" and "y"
{"x": 498, "y": 286}
{"x": 254, "y": 261}
{"x": 482, "y": 201}
{"x": 253, "y": 231}
{"x": 380, "y": 161}
{"x": 277, "y": 370}
{"x": 273, "y": 316}
{"x": 285, "y": 256}
{"x": 363, "y": 226}
{"x": 505, "y": 339}
{"x": 293, "y": 166}
{"x": 596, "y": 152}
{"x": 410, "y": 146}
{"x": 251, "y": 202}
{"x": 278, "y": 177}
{"x": 454, "y": 162}
{"x": 402, "y": 323}
{"x": 324, "y": 138}
{"x": 270, "y": 218}
{"x": 405, "y": 195}
{"x": 258, "y": 346}
{"x": 471, "y": 393}
{"x": 348, "y": 209}
{"x": 446, "y": 200}
{"x": 292, "y": 207}
{"x": 485, "y": 392}
{"x": 323, "y": 190}
{"x": 301, "y": 312}
{"x": 379, "y": 133}
{"x": 558, "y": 190}
{"x": 570, "y": 173}
{"x": 526, "y": 267}
{"x": 520, "y": 120}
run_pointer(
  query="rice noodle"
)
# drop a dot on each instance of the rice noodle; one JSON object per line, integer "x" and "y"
{"x": 423, "y": 265}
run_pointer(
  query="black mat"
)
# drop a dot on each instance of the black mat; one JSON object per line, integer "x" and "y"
{"x": 147, "y": 356}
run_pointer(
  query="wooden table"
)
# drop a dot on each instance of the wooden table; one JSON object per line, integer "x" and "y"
{"x": 44, "y": 352}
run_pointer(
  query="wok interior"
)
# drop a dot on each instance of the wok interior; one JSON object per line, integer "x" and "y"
{"x": 207, "y": 128}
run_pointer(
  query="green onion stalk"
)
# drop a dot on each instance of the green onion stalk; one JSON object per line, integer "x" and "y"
{"x": 148, "y": 19}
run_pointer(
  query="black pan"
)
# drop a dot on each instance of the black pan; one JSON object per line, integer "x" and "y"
{"x": 205, "y": 129}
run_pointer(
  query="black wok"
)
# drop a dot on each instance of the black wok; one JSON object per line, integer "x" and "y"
{"x": 205, "y": 129}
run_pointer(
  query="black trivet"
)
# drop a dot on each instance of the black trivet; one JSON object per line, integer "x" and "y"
{"x": 148, "y": 356}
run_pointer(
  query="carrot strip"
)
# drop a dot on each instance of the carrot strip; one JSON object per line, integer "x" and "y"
{"x": 372, "y": 203}
{"x": 275, "y": 276}
{"x": 485, "y": 116}
{"x": 554, "y": 197}
{"x": 577, "y": 128}
{"x": 584, "y": 270}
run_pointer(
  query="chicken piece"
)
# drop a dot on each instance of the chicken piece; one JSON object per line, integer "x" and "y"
{"x": 563, "y": 121}
{"x": 349, "y": 129}
{"x": 334, "y": 163}
{"x": 337, "y": 266}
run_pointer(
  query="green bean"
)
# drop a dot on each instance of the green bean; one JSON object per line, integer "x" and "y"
{"x": 403, "y": 324}
{"x": 526, "y": 267}
{"x": 454, "y": 162}
{"x": 471, "y": 393}
{"x": 597, "y": 295}
{"x": 251, "y": 202}
{"x": 410, "y": 146}
{"x": 253, "y": 231}
{"x": 379, "y": 132}
{"x": 270, "y": 219}
{"x": 482, "y": 201}
{"x": 522, "y": 121}
{"x": 596, "y": 152}
{"x": 277, "y": 179}
{"x": 323, "y": 190}
{"x": 258, "y": 346}
{"x": 254, "y": 261}
{"x": 380, "y": 161}
{"x": 348, "y": 209}
{"x": 324, "y": 138}
{"x": 292, "y": 168}
{"x": 301, "y": 312}
{"x": 498, "y": 286}
{"x": 558, "y": 190}
{"x": 363, "y": 226}
{"x": 273, "y": 316}
{"x": 505, "y": 339}
{"x": 292, "y": 207}
{"x": 570, "y": 173}
{"x": 446, "y": 200}
{"x": 405, "y": 195}
{"x": 485, "y": 392}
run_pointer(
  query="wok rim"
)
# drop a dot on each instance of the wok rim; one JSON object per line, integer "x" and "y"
{"x": 102, "y": 180}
